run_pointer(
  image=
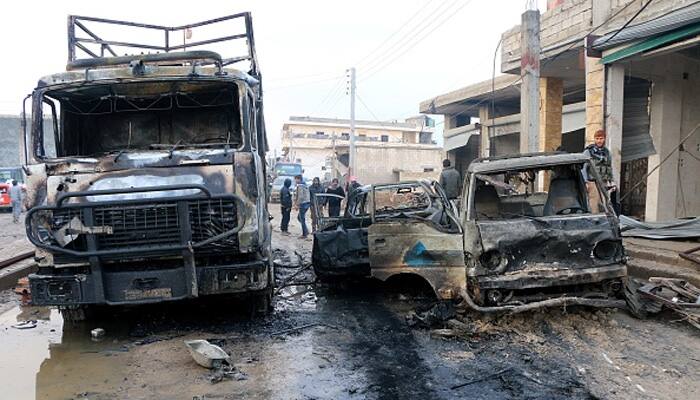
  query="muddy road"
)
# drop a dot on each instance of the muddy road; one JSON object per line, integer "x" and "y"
{"x": 351, "y": 342}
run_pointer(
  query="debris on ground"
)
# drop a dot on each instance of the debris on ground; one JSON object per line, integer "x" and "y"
{"x": 206, "y": 354}
{"x": 24, "y": 291}
{"x": 675, "y": 294}
{"x": 97, "y": 333}
{"x": 226, "y": 372}
{"x": 437, "y": 314}
{"x": 30, "y": 324}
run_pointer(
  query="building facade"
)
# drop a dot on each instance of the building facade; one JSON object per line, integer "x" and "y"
{"x": 629, "y": 67}
{"x": 385, "y": 151}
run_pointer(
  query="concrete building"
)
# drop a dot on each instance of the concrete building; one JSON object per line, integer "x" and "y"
{"x": 640, "y": 83}
{"x": 386, "y": 151}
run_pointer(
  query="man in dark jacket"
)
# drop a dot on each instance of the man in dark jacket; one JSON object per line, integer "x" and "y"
{"x": 450, "y": 180}
{"x": 602, "y": 163}
{"x": 286, "y": 203}
{"x": 315, "y": 189}
{"x": 334, "y": 202}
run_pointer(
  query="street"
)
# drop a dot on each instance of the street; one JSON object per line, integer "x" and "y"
{"x": 351, "y": 342}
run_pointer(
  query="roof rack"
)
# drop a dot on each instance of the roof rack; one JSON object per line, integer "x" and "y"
{"x": 102, "y": 52}
{"x": 519, "y": 155}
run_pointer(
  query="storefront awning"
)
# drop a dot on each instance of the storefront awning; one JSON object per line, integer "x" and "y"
{"x": 653, "y": 43}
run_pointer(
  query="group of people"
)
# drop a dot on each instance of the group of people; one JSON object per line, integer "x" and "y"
{"x": 303, "y": 201}
{"x": 450, "y": 180}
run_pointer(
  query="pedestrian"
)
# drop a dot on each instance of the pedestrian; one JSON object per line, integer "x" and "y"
{"x": 315, "y": 189}
{"x": 302, "y": 202}
{"x": 451, "y": 182}
{"x": 601, "y": 161}
{"x": 286, "y": 204}
{"x": 353, "y": 185}
{"x": 16, "y": 201}
{"x": 334, "y": 202}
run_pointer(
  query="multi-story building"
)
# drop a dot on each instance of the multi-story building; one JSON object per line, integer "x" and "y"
{"x": 630, "y": 67}
{"x": 386, "y": 151}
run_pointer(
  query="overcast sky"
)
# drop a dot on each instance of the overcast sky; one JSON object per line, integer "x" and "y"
{"x": 405, "y": 51}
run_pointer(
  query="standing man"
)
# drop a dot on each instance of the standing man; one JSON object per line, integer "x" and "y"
{"x": 16, "y": 201}
{"x": 302, "y": 202}
{"x": 334, "y": 202}
{"x": 451, "y": 182}
{"x": 286, "y": 203}
{"x": 602, "y": 163}
{"x": 315, "y": 189}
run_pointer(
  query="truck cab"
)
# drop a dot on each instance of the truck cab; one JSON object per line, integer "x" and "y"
{"x": 146, "y": 173}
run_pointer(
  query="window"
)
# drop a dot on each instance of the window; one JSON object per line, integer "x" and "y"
{"x": 428, "y": 169}
{"x": 344, "y": 136}
{"x": 385, "y": 138}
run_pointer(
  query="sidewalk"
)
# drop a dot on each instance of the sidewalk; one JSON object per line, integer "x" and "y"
{"x": 660, "y": 258}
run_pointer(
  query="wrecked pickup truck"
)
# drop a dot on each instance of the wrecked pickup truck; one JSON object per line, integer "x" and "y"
{"x": 146, "y": 173}
{"x": 393, "y": 230}
{"x": 525, "y": 238}
{"x": 531, "y": 239}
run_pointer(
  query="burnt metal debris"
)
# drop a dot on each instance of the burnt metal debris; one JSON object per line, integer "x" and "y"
{"x": 149, "y": 183}
{"x": 675, "y": 294}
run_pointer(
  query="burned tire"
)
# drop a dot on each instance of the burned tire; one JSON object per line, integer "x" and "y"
{"x": 261, "y": 304}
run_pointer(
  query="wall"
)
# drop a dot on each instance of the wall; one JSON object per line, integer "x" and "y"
{"x": 376, "y": 164}
{"x": 574, "y": 18}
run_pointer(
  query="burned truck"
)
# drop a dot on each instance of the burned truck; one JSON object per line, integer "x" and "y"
{"x": 390, "y": 231}
{"x": 146, "y": 172}
{"x": 531, "y": 238}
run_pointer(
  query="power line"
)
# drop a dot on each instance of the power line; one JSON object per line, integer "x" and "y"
{"x": 366, "y": 107}
{"x": 315, "y": 82}
{"x": 628, "y": 21}
{"x": 406, "y": 38}
{"x": 427, "y": 3}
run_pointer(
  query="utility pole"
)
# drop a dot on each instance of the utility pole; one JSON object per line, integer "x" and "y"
{"x": 530, "y": 86}
{"x": 352, "y": 170}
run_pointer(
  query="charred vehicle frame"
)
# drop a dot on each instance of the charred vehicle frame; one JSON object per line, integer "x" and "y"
{"x": 531, "y": 240}
{"x": 150, "y": 183}
{"x": 393, "y": 230}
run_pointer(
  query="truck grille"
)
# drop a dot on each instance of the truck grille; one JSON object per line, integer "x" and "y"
{"x": 146, "y": 225}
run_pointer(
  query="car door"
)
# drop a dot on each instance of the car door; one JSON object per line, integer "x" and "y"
{"x": 419, "y": 246}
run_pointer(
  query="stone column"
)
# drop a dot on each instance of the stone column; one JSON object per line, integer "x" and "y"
{"x": 484, "y": 119}
{"x": 551, "y": 103}
{"x": 595, "y": 81}
{"x": 614, "y": 107}
{"x": 530, "y": 86}
{"x": 666, "y": 118}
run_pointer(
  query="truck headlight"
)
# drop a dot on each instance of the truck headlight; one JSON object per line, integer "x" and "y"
{"x": 607, "y": 249}
{"x": 492, "y": 260}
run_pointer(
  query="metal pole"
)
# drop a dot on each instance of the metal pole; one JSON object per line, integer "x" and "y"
{"x": 352, "y": 169}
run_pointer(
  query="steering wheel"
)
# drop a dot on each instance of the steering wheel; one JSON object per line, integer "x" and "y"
{"x": 571, "y": 210}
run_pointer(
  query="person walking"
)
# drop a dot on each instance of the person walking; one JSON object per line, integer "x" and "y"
{"x": 602, "y": 163}
{"x": 286, "y": 204}
{"x": 315, "y": 189}
{"x": 334, "y": 202}
{"x": 16, "y": 201}
{"x": 451, "y": 182}
{"x": 302, "y": 202}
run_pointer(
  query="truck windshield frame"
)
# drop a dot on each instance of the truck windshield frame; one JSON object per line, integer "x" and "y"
{"x": 174, "y": 111}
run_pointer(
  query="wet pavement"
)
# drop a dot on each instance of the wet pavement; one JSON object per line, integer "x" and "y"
{"x": 351, "y": 342}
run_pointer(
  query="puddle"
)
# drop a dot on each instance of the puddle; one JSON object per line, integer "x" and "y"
{"x": 50, "y": 361}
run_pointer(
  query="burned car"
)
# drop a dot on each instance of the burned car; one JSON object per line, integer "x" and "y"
{"x": 531, "y": 239}
{"x": 146, "y": 173}
{"x": 390, "y": 230}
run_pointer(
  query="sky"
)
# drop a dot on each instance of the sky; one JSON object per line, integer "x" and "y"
{"x": 404, "y": 51}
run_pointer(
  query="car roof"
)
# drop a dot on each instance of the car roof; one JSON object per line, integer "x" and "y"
{"x": 525, "y": 162}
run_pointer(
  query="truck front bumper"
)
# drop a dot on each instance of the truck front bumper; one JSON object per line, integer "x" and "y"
{"x": 147, "y": 286}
